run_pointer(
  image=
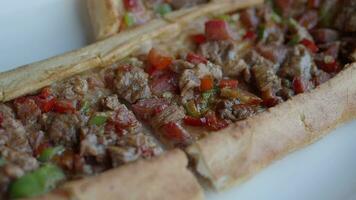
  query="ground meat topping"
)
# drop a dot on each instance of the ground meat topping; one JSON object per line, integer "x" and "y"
{"x": 172, "y": 113}
{"x": 298, "y": 63}
{"x": 131, "y": 83}
{"x": 225, "y": 54}
{"x": 346, "y": 18}
{"x": 234, "y": 111}
{"x": 63, "y": 129}
{"x": 12, "y": 132}
{"x": 111, "y": 102}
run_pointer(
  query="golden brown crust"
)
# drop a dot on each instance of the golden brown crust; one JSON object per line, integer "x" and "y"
{"x": 163, "y": 177}
{"x": 240, "y": 151}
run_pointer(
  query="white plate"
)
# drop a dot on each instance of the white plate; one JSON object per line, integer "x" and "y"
{"x": 34, "y": 30}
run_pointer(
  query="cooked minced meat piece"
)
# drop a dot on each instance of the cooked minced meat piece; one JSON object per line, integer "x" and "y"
{"x": 264, "y": 74}
{"x": 274, "y": 53}
{"x": 90, "y": 146}
{"x": 232, "y": 110}
{"x": 180, "y": 65}
{"x": 63, "y": 129}
{"x": 12, "y": 132}
{"x": 298, "y": 63}
{"x": 27, "y": 111}
{"x": 224, "y": 53}
{"x": 346, "y": 17}
{"x": 131, "y": 83}
{"x": 266, "y": 79}
{"x": 219, "y": 52}
{"x": 23, "y": 162}
{"x": 172, "y": 113}
{"x": 111, "y": 102}
{"x": 74, "y": 88}
{"x": 15, "y": 165}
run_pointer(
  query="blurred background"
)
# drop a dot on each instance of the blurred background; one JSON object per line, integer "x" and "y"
{"x": 34, "y": 30}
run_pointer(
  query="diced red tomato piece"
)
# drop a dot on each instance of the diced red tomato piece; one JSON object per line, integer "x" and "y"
{"x": 192, "y": 121}
{"x": 196, "y": 58}
{"x": 217, "y": 30}
{"x": 46, "y": 105}
{"x": 270, "y": 102}
{"x": 45, "y": 93}
{"x": 249, "y": 18}
{"x": 174, "y": 131}
{"x": 150, "y": 70}
{"x": 298, "y": 85}
{"x": 63, "y": 106}
{"x": 146, "y": 108}
{"x": 310, "y": 45}
{"x": 329, "y": 67}
{"x": 111, "y": 127}
{"x": 313, "y": 3}
{"x": 45, "y": 100}
{"x": 206, "y": 83}
{"x": 214, "y": 123}
{"x": 131, "y": 4}
{"x": 309, "y": 19}
{"x": 250, "y": 35}
{"x": 159, "y": 59}
{"x": 166, "y": 82}
{"x": 199, "y": 39}
{"x": 228, "y": 83}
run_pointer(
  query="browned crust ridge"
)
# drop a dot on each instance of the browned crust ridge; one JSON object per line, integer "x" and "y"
{"x": 240, "y": 151}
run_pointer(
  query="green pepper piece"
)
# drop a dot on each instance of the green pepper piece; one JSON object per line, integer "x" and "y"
{"x": 86, "y": 107}
{"x": 294, "y": 41}
{"x": 2, "y": 161}
{"x": 37, "y": 182}
{"x": 129, "y": 19}
{"x": 163, "y": 9}
{"x": 192, "y": 109}
{"x": 98, "y": 120}
{"x": 292, "y": 23}
{"x": 210, "y": 93}
{"x": 261, "y": 32}
{"x": 226, "y": 18}
{"x": 276, "y": 18}
{"x": 49, "y": 153}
